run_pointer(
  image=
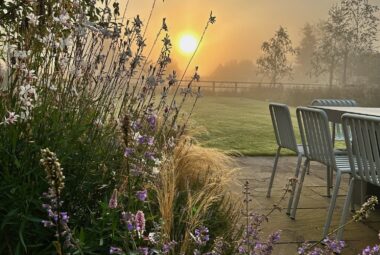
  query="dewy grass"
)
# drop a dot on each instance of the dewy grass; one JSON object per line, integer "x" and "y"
{"x": 237, "y": 124}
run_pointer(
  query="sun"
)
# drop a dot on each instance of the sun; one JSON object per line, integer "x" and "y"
{"x": 188, "y": 43}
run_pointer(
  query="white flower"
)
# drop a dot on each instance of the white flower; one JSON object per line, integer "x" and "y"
{"x": 21, "y": 54}
{"x": 33, "y": 19}
{"x": 155, "y": 171}
{"x": 27, "y": 91}
{"x": 63, "y": 19}
{"x": 3, "y": 71}
{"x": 11, "y": 119}
{"x": 98, "y": 123}
{"x": 12, "y": 48}
{"x": 152, "y": 237}
{"x": 30, "y": 74}
{"x": 137, "y": 136}
{"x": 157, "y": 162}
{"x": 25, "y": 115}
{"x": 52, "y": 87}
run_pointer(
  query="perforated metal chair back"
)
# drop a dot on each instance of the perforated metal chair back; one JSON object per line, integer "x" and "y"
{"x": 334, "y": 102}
{"x": 337, "y": 128}
{"x": 283, "y": 127}
{"x": 315, "y": 135}
{"x": 364, "y": 147}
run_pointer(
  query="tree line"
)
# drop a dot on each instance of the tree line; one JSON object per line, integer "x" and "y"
{"x": 340, "y": 49}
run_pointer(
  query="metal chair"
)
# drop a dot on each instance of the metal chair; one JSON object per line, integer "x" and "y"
{"x": 283, "y": 129}
{"x": 336, "y": 128}
{"x": 337, "y": 132}
{"x": 317, "y": 144}
{"x": 363, "y": 153}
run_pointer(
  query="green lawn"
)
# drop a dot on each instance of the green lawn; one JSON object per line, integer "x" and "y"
{"x": 236, "y": 124}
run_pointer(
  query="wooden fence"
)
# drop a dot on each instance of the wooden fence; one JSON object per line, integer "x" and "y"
{"x": 241, "y": 86}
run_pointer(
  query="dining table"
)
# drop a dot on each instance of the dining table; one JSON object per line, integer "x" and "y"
{"x": 334, "y": 114}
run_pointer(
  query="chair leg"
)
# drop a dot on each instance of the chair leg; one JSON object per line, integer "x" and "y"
{"x": 308, "y": 169}
{"x": 333, "y": 134}
{"x": 329, "y": 181}
{"x": 273, "y": 171}
{"x": 299, "y": 161}
{"x": 298, "y": 190}
{"x": 346, "y": 208}
{"x": 332, "y": 204}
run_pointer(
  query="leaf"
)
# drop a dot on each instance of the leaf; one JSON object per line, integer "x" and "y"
{"x": 21, "y": 235}
{"x": 81, "y": 235}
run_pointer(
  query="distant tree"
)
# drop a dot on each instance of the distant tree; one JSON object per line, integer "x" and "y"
{"x": 328, "y": 53}
{"x": 350, "y": 30}
{"x": 243, "y": 70}
{"x": 306, "y": 49}
{"x": 362, "y": 26}
{"x": 274, "y": 62}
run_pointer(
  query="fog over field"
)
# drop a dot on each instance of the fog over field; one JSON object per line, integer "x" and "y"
{"x": 233, "y": 45}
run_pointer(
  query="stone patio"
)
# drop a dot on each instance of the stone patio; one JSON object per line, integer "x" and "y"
{"x": 312, "y": 208}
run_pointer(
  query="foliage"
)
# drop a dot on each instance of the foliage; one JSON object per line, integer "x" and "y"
{"x": 306, "y": 49}
{"x": 350, "y": 30}
{"x": 76, "y": 81}
{"x": 274, "y": 63}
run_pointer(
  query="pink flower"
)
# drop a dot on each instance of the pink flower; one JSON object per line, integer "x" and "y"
{"x": 140, "y": 222}
{"x": 113, "y": 201}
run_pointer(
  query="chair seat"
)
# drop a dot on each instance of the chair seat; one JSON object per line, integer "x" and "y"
{"x": 300, "y": 149}
{"x": 336, "y": 151}
{"x": 343, "y": 163}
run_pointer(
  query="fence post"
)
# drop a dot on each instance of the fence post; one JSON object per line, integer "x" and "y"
{"x": 213, "y": 86}
{"x": 236, "y": 87}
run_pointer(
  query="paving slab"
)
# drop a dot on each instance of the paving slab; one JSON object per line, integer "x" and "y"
{"x": 313, "y": 205}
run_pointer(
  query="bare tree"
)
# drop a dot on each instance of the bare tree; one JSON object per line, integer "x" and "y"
{"x": 274, "y": 62}
{"x": 350, "y": 30}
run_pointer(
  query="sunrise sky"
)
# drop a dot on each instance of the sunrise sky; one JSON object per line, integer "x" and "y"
{"x": 241, "y": 27}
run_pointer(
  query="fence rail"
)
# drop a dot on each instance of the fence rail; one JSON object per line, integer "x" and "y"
{"x": 239, "y": 86}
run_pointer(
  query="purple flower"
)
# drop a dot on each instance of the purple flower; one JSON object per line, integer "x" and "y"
{"x": 47, "y": 223}
{"x": 113, "y": 201}
{"x": 142, "y": 195}
{"x": 128, "y": 152}
{"x": 150, "y": 140}
{"x": 241, "y": 249}
{"x": 334, "y": 245}
{"x": 144, "y": 250}
{"x": 275, "y": 237}
{"x": 128, "y": 219}
{"x": 152, "y": 120}
{"x": 141, "y": 139}
{"x": 116, "y": 250}
{"x": 64, "y": 217}
{"x": 136, "y": 125}
{"x": 149, "y": 155}
{"x": 201, "y": 235}
{"x": 167, "y": 247}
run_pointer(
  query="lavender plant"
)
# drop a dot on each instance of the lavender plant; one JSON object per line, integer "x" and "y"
{"x": 73, "y": 69}
{"x": 333, "y": 246}
{"x": 251, "y": 242}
